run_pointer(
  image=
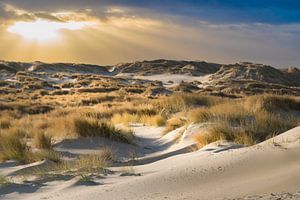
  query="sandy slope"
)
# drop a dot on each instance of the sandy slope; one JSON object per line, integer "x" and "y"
{"x": 214, "y": 172}
{"x": 169, "y": 80}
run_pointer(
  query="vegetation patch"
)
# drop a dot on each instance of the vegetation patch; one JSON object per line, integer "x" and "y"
{"x": 89, "y": 127}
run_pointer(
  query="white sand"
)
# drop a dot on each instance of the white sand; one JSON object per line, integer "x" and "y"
{"x": 214, "y": 172}
{"x": 169, "y": 80}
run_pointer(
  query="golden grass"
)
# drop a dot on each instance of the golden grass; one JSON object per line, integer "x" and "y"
{"x": 89, "y": 127}
{"x": 44, "y": 154}
{"x": 224, "y": 132}
{"x": 154, "y": 120}
{"x": 84, "y": 164}
{"x": 174, "y": 123}
{"x": 12, "y": 147}
{"x": 42, "y": 141}
{"x": 183, "y": 102}
{"x": 273, "y": 103}
{"x": 246, "y": 121}
{"x": 5, "y": 123}
{"x": 127, "y": 119}
{"x": 124, "y": 118}
{"x": 258, "y": 116}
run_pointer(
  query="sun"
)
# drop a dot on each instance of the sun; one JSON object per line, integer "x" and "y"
{"x": 43, "y": 30}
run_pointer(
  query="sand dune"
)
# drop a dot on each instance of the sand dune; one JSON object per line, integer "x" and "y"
{"x": 218, "y": 171}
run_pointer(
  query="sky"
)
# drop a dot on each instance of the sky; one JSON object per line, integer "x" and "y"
{"x": 108, "y": 32}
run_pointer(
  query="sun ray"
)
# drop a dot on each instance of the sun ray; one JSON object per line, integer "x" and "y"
{"x": 42, "y": 30}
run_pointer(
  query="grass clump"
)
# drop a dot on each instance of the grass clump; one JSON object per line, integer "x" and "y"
{"x": 246, "y": 121}
{"x": 42, "y": 141}
{"x": 223, "y": 132}
{"x": 46, "y": 155}
{"x": 89, "y": 127}
{"x": 90, "y": 163}
{"x": 174, "y": 123}
{"x": 273, "y": 103}
{"x": 5, "y": 123}
{"x": 12, "y": 147}
{"x": 183, "y": 102}
{"x": 266, "y": 125}
{"x": 127, "y": 119}
{"x": 106, "y": 154}
{"x": 3, "y": 181}
{"x": 154, "y": 120}
{"x": 84, "y": 164}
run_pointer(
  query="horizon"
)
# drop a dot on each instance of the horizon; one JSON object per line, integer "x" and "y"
{"x": 110, "y": 32}
{"x": 151, "y": 60}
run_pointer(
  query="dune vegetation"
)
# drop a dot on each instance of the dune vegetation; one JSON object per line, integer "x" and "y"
{"x": 247, "y": 120}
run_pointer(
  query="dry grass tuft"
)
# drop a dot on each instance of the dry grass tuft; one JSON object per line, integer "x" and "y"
{"x": 5, "y": 123}
{"x": 106, "y": 154}
{"x": 174, "y": 123}
{"x": 127, "y": 119}
{"x": 90, "y": 163}
{"x": 225, "y": 132}
{"x": 183, "y": 102}
{"x": 12, "y": 147}
{"x": 3, "y": 181}
{"x": 246, "y": 121}
{"x": 89, "y": 127}
{"x": 154, "y": 120}
{"x": 272, "y": 103}
{"x": 42, "y": 141}
{"x": 45, "y": 155}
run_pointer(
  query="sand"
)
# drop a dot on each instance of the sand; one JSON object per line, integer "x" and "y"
{"x": 169, "y": 80}
{"x": 269, "y": 170}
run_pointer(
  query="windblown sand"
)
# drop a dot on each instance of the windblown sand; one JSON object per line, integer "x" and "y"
{"x": 167, "y": 170}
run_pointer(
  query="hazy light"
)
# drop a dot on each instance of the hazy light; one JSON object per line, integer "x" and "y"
{"x": 43, "y": 30}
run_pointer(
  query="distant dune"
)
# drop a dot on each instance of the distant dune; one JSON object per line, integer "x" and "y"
{"x": 232, "y": 79}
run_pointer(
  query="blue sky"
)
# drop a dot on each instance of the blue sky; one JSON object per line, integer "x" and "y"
{"x": 221, "y": 11}
{"x": 265, "y": 31}
{"x": 229, "y": 11}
